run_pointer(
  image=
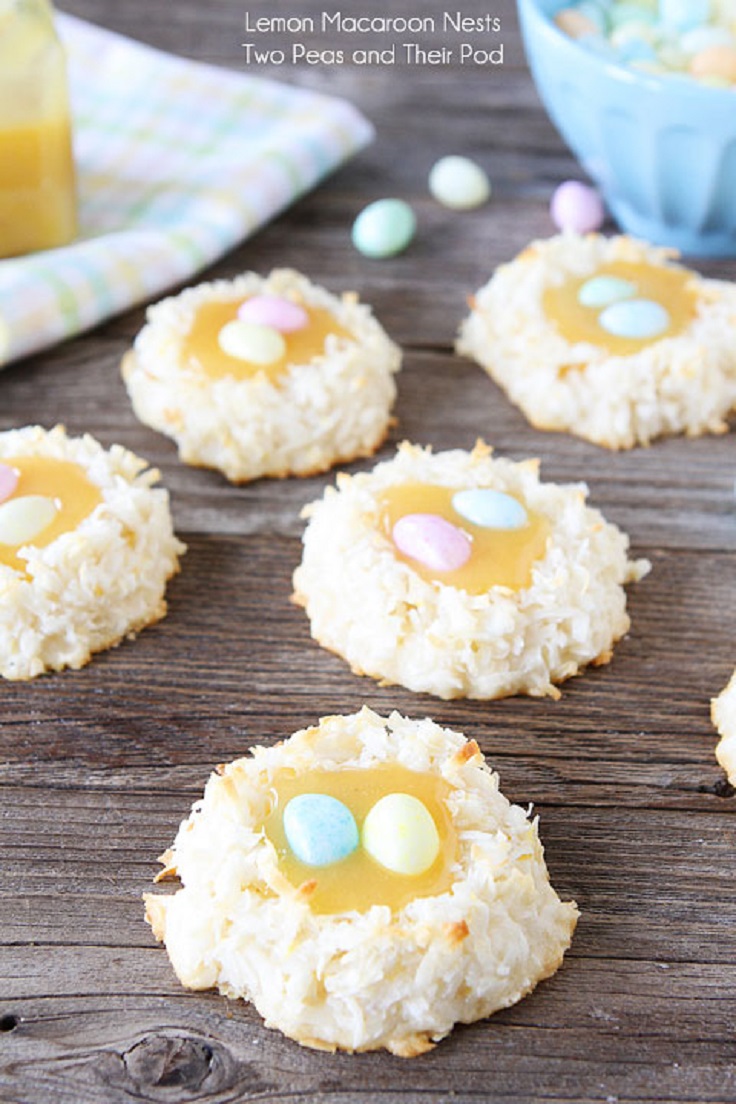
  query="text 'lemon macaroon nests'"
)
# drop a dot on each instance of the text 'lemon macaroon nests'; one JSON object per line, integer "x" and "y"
{"x": 723, "y": 714}
{"x": 260, "y": 376}
{"x": 408, "y": 955}
{"x": 462, "y": 575}
{"x": 608, "y": 339}
{"x": 86, "y": 549}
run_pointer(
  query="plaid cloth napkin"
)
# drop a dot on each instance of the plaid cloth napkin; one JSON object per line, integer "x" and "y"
{"x": 177, "y": 162}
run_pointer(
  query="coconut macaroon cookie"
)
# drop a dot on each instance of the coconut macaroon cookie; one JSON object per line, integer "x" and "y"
{"x": 264, "y": 376}
{"x": 607, "y": 338}
{"x": 86, "y": 549}
{"x": 364, "y": 884}
{"x": 461, "y": 575}
{"x": 723, "y": 714}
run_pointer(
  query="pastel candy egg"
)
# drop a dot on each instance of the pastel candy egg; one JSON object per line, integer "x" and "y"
{"x": 271, "y": 310}
{"x": 384, "y": 228}
{"x": 252, "y": 342}
{"x": 599, "y": 291}
{"x": 8, "y": 481}
{"x": 672, "y": 56}
{"x": 577, "y": 207}
{"x": 432, "y": 541}
{"x": 700, "y": 38}
{"x": 596, "y": 13}
{"x": 635, "y": 318}
{"x": 598, "y": 45}
{"x": 636, "y": 49}
{"x": 684, "y": 14}
{"x": 400, "y": 834}
{"x": 652, "y": 67}
{"x": 490, "y": 509}
{"x": 715, "y": 82}
{"x": 621, "y": 14}
{"x": 715, "y": 61}
{"x": 320, "y": 829}
{"x": 459, "y": 183}
{"x": 634, "y": 32}
{"x": 22, "y": 519}
{"x": 574, "y": 23}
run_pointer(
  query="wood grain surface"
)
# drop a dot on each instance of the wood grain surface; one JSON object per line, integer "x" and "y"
{"x": 98, "y": 766}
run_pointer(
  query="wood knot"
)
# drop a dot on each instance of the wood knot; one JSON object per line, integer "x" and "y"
{"x": 176, "y": 1067}
{"x": 170, "y": 1064}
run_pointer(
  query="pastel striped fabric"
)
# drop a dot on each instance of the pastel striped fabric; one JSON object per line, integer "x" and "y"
{"x": 177, "y": 162}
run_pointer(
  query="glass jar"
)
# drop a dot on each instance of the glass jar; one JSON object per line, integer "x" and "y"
{"x": 37, "y": 192}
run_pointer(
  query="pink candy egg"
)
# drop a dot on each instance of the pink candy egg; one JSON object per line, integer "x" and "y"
{"x": 577, "y": 207}
{"x": 715, "y": 61}
{"x": 432, "y": 541}
{"x": 8, "y": 481}
{"x": 271, "y": 310}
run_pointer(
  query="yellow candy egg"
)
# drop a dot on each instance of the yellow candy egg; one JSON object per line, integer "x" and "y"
{"x": 22, "y": 519}
{"x": 400, "y": 834}
{"x": 252, "y": 342}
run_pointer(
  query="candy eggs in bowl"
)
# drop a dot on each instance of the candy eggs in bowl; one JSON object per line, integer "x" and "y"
{"x": 656, "y": 135}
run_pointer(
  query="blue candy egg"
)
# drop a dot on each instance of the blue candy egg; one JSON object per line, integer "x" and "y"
{"x": 599, "y": 291}
{"x": 599, "y": 45}
{"x": 636, "y": 49}
{"x": 595, "y": 12}
{"x": 320, "y": 829}
{"x": 623, "y": 13}
{"x": 683, "y": 15}
{"x": 490, "y": 509}
{"x": 635, "y": 318}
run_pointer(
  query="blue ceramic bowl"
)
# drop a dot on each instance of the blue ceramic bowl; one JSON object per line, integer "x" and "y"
{"x": 662, "y": 149}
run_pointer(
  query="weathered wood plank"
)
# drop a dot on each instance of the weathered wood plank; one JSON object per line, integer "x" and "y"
{"x": 72, "y": 1049}
{"x": 677, "y": 494}
{"x": 245, "y": 656}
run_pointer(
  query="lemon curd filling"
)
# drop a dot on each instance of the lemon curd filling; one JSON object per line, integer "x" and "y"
{"x": 358, "y": 881}
{"x": 201, "y": 349}
{"x": 673, "y": 288}
{"x": 74, "y": 495}
{"x": 500, "y": 557}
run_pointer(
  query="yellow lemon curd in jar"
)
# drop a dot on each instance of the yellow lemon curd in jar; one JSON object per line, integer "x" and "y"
{"x": 37, "y": 186}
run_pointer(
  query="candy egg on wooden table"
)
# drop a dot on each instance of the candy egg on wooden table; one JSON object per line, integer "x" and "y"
{"x": 86, "y": 549}
{"x": 384, "y": 228}
{"x": 607, "y": 338}
{"x": 264, "y": 376}
{"x": 577, "y": 207}
{"x": 410, "y": 846}
{"x": 459, "y": 183}
{"x": 461, "y": 575}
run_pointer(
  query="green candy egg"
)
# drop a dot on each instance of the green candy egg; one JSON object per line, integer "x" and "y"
{"x": 384, "y": 228}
